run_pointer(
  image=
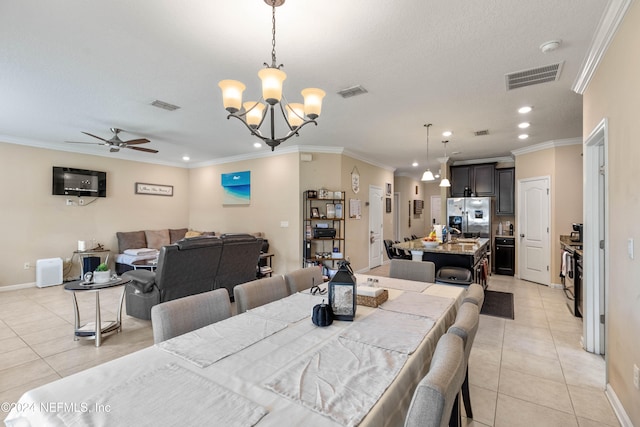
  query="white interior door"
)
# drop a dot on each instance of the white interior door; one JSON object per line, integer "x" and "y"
{"x": 533, "y": 229}
{"x": 375, "y": 226}
{"x": 595, "y": 279}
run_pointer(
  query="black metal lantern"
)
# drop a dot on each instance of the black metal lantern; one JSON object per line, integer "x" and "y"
{"x": 342, "y": 293}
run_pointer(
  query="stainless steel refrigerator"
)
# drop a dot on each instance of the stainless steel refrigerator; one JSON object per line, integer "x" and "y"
{"x": 470, "y": 215}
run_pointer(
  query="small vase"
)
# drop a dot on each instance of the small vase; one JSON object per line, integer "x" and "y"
{"x": 101, "y": 276}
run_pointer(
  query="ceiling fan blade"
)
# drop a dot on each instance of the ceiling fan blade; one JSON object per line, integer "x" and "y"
{"x": 148, "y": 150}
{"x": 137, "y": 141}
{"x": 101, "y": 139}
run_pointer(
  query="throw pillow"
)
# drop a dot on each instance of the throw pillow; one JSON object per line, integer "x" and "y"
{"x": 131, "y": 240}
{"x": 192, "y": 233}
{"x": 177, "y": 234}
{"x": 156, "y": 239}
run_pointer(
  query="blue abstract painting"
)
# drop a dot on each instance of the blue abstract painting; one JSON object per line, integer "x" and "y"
{"x": 237, "y": 188}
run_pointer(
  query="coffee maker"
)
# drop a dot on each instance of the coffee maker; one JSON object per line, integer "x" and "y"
{"x": 576, "y": 234}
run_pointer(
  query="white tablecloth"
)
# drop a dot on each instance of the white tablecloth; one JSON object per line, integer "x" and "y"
{"x": 243, "y": 373}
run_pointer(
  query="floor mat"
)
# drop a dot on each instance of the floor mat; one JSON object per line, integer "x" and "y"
{"x": 499, "y": 304}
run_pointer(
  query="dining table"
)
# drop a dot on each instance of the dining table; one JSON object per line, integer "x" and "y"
{"x": 269, "y": 366}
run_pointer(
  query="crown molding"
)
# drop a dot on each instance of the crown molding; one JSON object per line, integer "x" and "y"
{"x": 312, "y": 149}
{"x": 369, "y": 161}
{"x": 504, "y": 159}
{"x": 607, "y": 28}
{"x": 547, "y": 145}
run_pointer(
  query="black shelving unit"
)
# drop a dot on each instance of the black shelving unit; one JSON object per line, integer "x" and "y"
{"x": 320, "y": 246}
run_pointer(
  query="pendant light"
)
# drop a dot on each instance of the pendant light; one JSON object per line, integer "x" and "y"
{"x": 427, "y": 175}
{"x": 445, "y": 182}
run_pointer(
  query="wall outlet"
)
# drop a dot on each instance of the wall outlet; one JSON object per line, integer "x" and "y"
{"x": 81, "y": 202}
{"x": 27, "y": 265}
{"x": 69, "y": 202}
{"x": 636, "y": 376}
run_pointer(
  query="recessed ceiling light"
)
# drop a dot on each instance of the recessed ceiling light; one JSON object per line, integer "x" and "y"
{"x": 523, "y": 136}
{"x": 447, "y": 133}
{"x": 186, "y": 158}
{"x": 257, "y": 144}
{"x": 524, "y": 110}
{"x": 414, "y": 164}
{"x": 524, "y": 125}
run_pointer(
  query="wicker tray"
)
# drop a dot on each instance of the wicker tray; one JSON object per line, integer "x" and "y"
{"x": 373, "y": 301}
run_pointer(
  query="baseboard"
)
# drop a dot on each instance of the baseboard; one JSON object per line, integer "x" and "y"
{"x": 556, "y": 285}
{"x": 618, "y": 409}
{"x": 16, "y": 287}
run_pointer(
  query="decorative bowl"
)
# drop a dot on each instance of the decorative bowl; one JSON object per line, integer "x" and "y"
{"x": 430, "y": 243}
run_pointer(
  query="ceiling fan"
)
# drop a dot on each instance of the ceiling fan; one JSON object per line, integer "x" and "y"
{"x": 115, "y": 143}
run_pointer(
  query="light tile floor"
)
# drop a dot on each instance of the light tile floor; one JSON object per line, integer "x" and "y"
{"x": 532, "y": 371}
{"x": 523, "y": 372}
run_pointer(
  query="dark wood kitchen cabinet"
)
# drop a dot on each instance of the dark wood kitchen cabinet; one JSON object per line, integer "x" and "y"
{"x": 505, "y": 183}
{"x": 479, "y": 178}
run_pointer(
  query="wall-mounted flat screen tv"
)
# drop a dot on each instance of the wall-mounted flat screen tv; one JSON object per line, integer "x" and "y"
{"x": 79, "y": 182}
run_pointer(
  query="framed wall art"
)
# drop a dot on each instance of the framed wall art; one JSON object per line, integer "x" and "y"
{"x": 237, "y": 188}
{"x": 154, "y": 189}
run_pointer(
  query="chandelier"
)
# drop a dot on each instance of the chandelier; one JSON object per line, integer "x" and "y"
{"x": 253, "y": 113}
{"x": 427, "y": 175}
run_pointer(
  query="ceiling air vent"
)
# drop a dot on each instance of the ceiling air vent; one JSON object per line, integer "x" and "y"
{"x": 481, "y": 132}
{"x": 352, "y": 91}
{"x": 164, "y": 105}
{"x": 534, "y": 76}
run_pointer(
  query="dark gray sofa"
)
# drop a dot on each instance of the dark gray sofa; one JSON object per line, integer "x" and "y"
{"x": 191, "y": 266}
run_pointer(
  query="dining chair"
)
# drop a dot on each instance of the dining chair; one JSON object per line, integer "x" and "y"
{"x": 466, "y": 326}
{"x": 259, "y": 292}
{"x": 403, "y": 252}
{"x": 435, "y": 401}
{"x": 392, "y": 253}
{"x": 475, "y": 294}
{"x": 303, "y": 278}
{"x": 420, "y": 271}
{"x": 179, "y": 316}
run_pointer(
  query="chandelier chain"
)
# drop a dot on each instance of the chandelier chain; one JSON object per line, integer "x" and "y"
{"x": 273, "y": 33}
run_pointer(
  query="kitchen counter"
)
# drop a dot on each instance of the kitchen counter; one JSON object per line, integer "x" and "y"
{"x": 456, "y": 246}
{"x": 471, "y": 254}
{"x": 569, "y": 245}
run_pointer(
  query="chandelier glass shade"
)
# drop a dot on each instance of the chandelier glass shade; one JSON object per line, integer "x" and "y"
{"x": 253, "y": 113}
{"x": 427, "y": 175}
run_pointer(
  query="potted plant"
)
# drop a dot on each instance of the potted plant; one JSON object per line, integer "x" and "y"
{"x": 102, "y": 273}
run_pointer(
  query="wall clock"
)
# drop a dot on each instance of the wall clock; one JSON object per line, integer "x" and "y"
{"x": 355, "y": 180}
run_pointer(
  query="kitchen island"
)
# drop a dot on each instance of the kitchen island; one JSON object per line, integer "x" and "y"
{"x": 470, "y": 253}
